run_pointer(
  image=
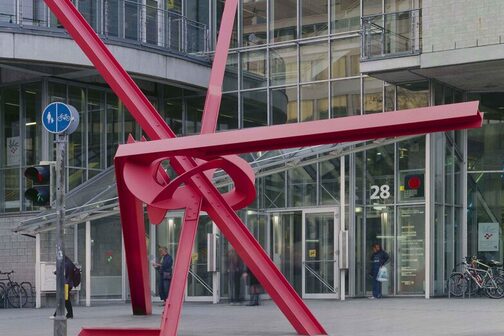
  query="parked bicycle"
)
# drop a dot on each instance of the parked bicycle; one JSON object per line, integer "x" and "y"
{"x": 475, "y": 276}
{"x": 11, "y": 293}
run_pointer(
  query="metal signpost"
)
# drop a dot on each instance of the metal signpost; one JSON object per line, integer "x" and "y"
{"x": 60, "y": 119}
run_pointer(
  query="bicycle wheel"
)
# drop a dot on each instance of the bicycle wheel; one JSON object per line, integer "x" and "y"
{"x": 457, "y": 284}
{"x": 29, "y": 292}
{"x": 3, "y": 293}
{"x": 496, "y": 292}
{"x": 16, "y": 296}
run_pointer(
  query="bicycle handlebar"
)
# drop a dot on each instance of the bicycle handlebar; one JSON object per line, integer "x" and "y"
{"x": 7, "y": 273}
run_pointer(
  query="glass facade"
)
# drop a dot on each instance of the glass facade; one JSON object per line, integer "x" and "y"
{"x": 291, "y": 61}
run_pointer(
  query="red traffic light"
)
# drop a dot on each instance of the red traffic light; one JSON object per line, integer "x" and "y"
{"x": 39, "y": 175}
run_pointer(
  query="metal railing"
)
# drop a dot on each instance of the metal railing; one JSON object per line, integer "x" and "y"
{"x": 391, "y": 35}
{"x": 125, "y": 20}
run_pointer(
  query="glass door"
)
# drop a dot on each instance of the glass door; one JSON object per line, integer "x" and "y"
{"x": 199, "y": 281}
{"x": 320, "y": 270}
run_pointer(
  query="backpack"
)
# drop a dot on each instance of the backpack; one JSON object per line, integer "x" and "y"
{"x": 76, "y": 276}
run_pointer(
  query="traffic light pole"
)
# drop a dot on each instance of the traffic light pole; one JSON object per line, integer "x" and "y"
{"x": 60, "y": 321}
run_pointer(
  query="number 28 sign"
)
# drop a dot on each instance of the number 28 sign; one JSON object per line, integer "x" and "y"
{"x": 380, "y": 192}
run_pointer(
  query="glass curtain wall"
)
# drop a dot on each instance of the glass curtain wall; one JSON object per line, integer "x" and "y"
{"x": 485, "y": 197}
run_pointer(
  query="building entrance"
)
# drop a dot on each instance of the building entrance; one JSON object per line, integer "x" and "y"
{"x": 320, "y": 272}
{"x": 200, "y": 282}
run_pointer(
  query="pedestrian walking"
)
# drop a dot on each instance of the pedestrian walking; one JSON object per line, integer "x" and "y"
{"x": 71, "y": 281}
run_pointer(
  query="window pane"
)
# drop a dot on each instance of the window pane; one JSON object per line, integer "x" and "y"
{"x": 314, "y": 63}
{"x": 255, "y": 108}
{"x": 302, "y": 186}
{"x": 411, "y": 156}
{"x": 345, "y": 98}
{"x": 9, "y": 181}
{"x": 254, "y": 69}
{"x": 195, "y": 105}
{"x": 314, "y": 20}
{"x": 114, "y": 129}
{"x": 314, "y": 102}
{"x": 345, "y": 58}
{"x": 413, "y": 95}
{"x": 284, "y": 105}
{"x": 32, "y": 113}
{"x": 330, "y": 181}
{"x": 254, "y": 22}
{"x": 380, "y": 175}
{"x": 372, "y": 7}
{"x": 76, "y": 143}
{"x": 345, "y": 15}
{"x": 373, "y": 95}
{"x": 283, "y": 20}
{"x": 283, "y": 63}
{"x": 96, "y": 129}
{"x": 228, "y": 113}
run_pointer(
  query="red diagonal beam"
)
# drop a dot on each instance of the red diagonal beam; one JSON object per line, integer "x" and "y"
{"x": 345, "y": 129}
{"x": 228, "y": 222}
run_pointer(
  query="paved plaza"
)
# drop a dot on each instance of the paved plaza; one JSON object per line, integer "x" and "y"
{"x": 354, "y": 317}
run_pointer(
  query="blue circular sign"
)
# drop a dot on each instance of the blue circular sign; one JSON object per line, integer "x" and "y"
{"x": 60, "y": 118}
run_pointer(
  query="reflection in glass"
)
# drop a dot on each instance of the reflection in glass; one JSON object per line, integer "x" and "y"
{"x": 313, "y": 62}
{"x": 284, "y": 105}
{"x": 254, "y": 22}
{"x": 314, "y": 102}
{"x": 413, "y": 95}
{"x": 345, "y": 57}
{"x": 345, "y": 15}
{"x": 114, "y": 127}
{"x": 373, "y": 95}
{"x": 314, "y": 20}
{"x": 283, "y": 64}
{"x": 283, "y": 23}
{"x": 345, "y": 98}
{"x": 254, "y": 73}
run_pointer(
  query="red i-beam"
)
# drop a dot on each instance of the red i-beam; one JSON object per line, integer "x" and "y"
{"x": 141, "y": 180}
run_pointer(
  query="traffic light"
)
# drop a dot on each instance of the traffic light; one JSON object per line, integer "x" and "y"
{"x": 40, "y": 192}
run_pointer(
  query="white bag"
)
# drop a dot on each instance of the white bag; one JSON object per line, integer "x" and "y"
{"x": 382, "y": 274}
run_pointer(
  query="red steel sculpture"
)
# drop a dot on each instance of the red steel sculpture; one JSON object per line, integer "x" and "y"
{"x": 141, "y": 180}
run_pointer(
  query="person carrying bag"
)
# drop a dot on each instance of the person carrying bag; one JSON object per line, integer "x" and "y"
{"x": 379, "y": 272}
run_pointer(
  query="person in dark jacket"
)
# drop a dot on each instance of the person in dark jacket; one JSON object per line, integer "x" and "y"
{"x": 378, "y": 259}
{"x": 235, "y": 272}
{"x": 164, "y": 268}
{"x": 69, "y": 270}
{"x": 254, "y": 288}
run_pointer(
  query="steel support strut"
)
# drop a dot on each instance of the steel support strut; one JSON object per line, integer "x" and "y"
{"x": 223, "y": 215}
{"x": 140, "y": 178}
